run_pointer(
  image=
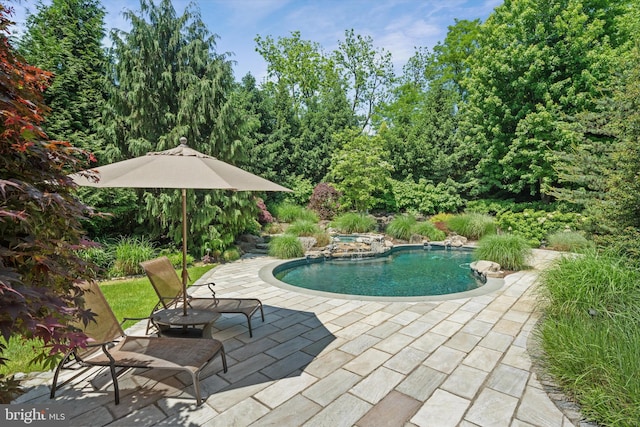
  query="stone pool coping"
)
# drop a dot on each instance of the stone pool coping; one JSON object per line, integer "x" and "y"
{"x": 492, "y": 284}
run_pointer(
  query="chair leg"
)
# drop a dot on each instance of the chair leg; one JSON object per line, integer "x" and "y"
{"x": 196, "y": 386}
{"x": 249, "y": 323}
{"x": 223, "y": 355}
{"x": 55, "y": 375}
{"x": 116, "y": 389}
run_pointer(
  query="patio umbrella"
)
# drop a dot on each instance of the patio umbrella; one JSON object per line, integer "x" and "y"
{"x": 180, "y": 167}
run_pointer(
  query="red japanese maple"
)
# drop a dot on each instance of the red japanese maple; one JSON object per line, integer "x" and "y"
{"x": 39, "y": 215}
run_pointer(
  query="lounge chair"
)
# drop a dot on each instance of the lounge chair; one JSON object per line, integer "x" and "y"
{"x": 111, "y": 348}
{"x": 168, "y": 287}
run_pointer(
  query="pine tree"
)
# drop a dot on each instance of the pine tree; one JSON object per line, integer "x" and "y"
{"x": 169, "y": 82}
{"x": 65, "y": 38}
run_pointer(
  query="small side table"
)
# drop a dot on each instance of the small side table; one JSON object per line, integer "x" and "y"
{"x": 174, "y": 317}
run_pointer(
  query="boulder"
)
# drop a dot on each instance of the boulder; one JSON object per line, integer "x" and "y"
{"x": 487, "y": 268}
{"x": 455, "y": 241}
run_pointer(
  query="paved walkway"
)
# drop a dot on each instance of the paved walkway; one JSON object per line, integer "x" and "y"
{"x": 319, "y": 361}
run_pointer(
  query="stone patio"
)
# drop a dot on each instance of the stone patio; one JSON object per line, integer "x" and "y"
{"x": 319, "y": 361}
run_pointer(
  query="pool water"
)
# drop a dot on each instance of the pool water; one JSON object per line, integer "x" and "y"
{"x": 406, "y": 272}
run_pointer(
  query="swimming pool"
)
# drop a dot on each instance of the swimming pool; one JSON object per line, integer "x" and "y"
{"x": 409, "y": 272}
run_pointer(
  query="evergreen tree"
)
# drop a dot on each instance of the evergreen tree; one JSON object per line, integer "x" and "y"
{"x": 65, "y": 38}
{"x": 169, "y": 82}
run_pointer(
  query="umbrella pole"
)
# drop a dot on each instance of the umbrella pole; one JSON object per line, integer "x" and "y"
{"x": 185, "y": 273}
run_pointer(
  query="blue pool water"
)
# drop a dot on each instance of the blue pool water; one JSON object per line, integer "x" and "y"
{"x": 405, "y": 272}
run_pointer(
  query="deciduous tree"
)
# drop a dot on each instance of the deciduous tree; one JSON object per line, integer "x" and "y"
{"x": 39, "y": 228}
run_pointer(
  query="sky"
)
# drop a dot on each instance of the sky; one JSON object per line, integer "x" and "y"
{"x": 397, "y": 26}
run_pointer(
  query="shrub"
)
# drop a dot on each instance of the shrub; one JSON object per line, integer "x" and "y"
{"x": 176, "y": 258}
{"x": 322, "y": 239}
{"x": 273, "y": 228}
{"x": 401, "y": 227}
{"x": 287, "y": 212}
{"x": 302, "y": 190}
{"x": 285, "y": 247}
{"x": 264, "y": 216}
{"x": 231, "y": 254}
{"x": 303, "y": 227}
{"x": 536, "y": 225}
{"x": 440, "y": 217}
{"x": 590, "y": 333}
{"x": 325, "y": 201}
{"x": 496, "y": 207}
{"x": 472, "y": 225}
{"x": 425, "y": 197}
{"x": 571, "y": 241}
{"x": 129, "y": 252}
{"x": 101, "y": 256}
{"x": 354, "y": 223}
{"x": 508, "y": 250}
{"x": 429, "y": 230}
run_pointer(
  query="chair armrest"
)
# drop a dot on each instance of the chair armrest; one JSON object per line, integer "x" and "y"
{"x": 133, "y": 318}
{"x": 210, "y": 285}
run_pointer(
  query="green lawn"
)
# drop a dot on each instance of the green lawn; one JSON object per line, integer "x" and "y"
{"x": 127, "y": 298}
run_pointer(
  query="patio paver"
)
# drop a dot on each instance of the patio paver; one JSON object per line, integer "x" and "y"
{"x": 319, "y": 361}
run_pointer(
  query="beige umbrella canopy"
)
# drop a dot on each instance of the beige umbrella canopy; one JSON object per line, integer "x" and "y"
{"x": 180, "y": 167}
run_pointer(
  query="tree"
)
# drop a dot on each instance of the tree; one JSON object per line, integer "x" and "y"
{"x": 65, "y": 38}
{"x": 537, "y": 63}
{"x": 169, "y": 82}
{"x": 308, "y": 96}
{"x": 360, "y": 170}
{"x": 368, "y": 71}
{"x": 39, "y": 216}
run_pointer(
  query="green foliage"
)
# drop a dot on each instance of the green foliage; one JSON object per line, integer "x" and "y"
{"x": 498, "y": 206}
{"x": 322, "y": 239}
{"x": 590, "y": 334}
{"x": 421, "y": 135}
{"x": 65, "y": 37}
{"x": 9, "y": 389}
{"x": 367, "y": 71}
{"x": 625, "y": 243}
{"x": 401, "y": 227}
{"x": 302, "y": 190}
{"x": 167, "y": 81}
{"x": 472, "y": 225}
{"x": 428, "y": 229}
{"x": 534, "y": 69}
{"x": 352, "y": 222}
{"x": 536, "y": 225}
{"x": 440, "y": 217}
{"x": 570, "y": 241}
{"x": 360, "y": 170}
{"x": 508, "y": 250}
{"x": 129, "y": 252}
{"x": 302, "y": 104}
{"x": 176, "y": 258}
{"x": 325, "y": 201}
{"x": 117, "y": 209}
{"x": 285, "y": 247}
{"x": 231, "y": 254}
{"x": 303, "y": 227}
{"x": 288, "y": 212}
{"x": 101, "y": 257}
{"x": 426, "y": 198}
{"x": 404, "y": 226}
